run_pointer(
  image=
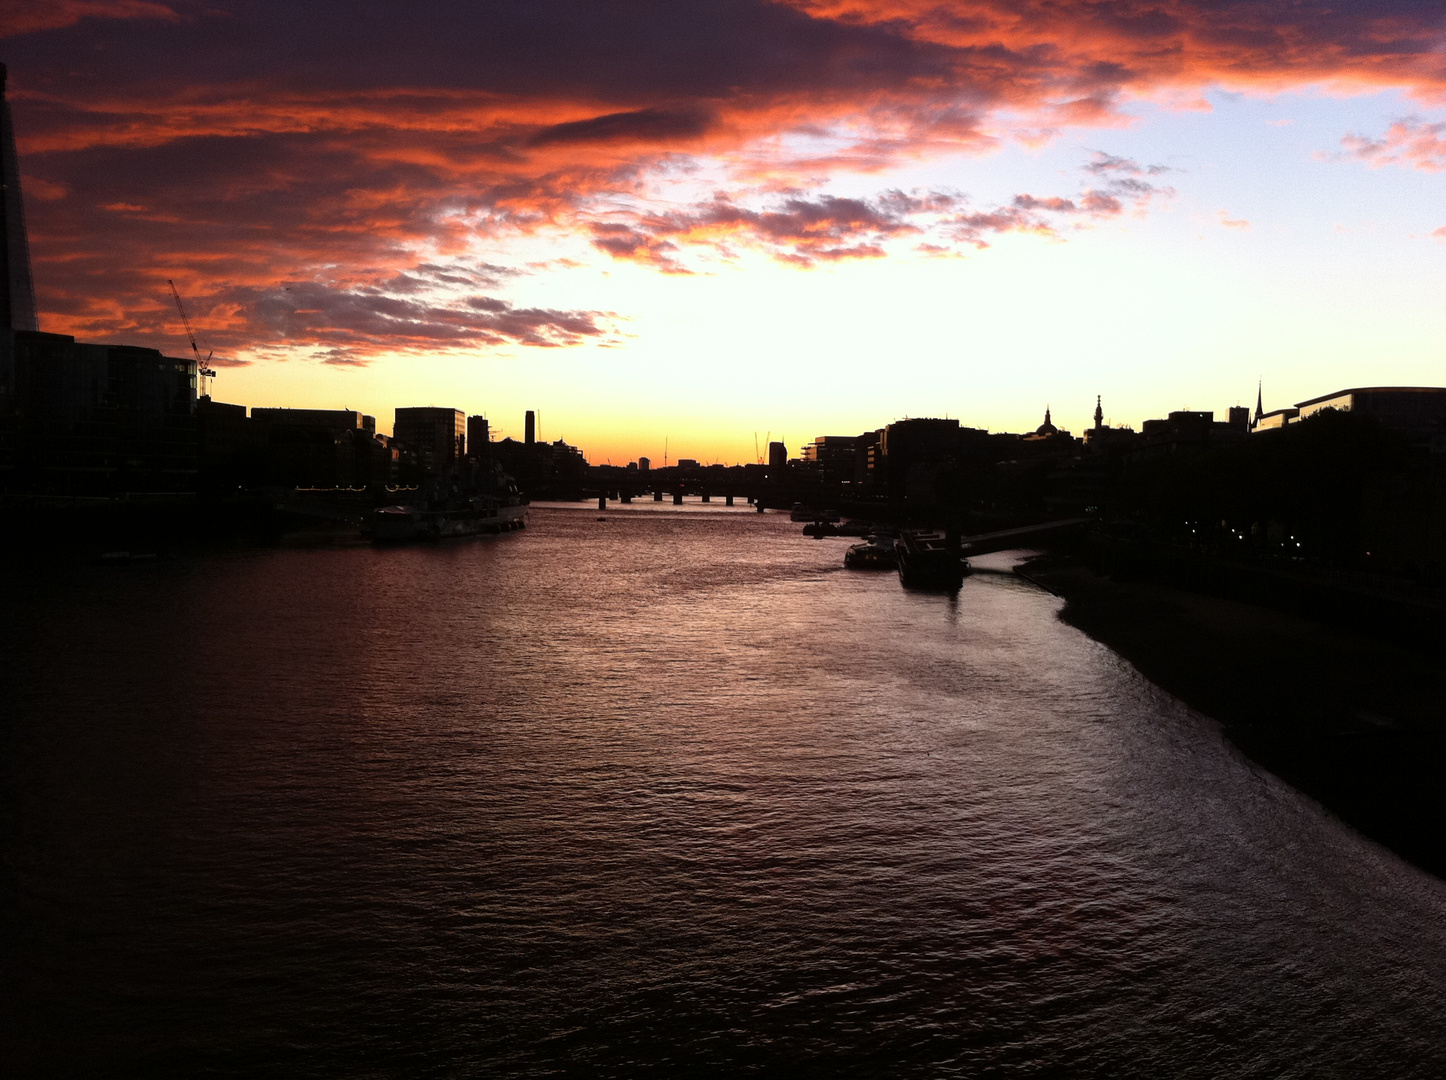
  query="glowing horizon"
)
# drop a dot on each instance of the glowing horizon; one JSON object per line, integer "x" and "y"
{"x": 652, "y": 223}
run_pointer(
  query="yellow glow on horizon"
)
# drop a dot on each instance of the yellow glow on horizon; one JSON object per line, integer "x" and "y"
{"x": 991, "y": 338}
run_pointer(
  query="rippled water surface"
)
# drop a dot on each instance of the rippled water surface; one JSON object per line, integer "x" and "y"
{"x": 666, "y": 794}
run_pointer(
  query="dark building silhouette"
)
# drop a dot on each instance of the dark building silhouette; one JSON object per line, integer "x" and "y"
{"x": 1047, "y": 428}
{"x": 304, "y": 448}
{"x": 82, "y": 419}
{"x": 543, "y": 470}
{"x": 479, "y": 437}
{"x": 1104, "y": 439}
{"x": 529, "y": 428}
{"x": 911, "y": 452}
{"x": 1193, "y": 429}
{"x": 17, "y": 291}
{"x": 437, "y": 436}
{"x": 229, "y": 448}
{"x": 340, "y": 419}
{"x": 868, "y": 459}
{"x": 1418, "y": 412}
{"x": 832, "y": 457}
{"x": 777, "y": 458}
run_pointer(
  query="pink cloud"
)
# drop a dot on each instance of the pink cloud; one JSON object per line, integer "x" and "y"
{"x": 1411, "y": 143}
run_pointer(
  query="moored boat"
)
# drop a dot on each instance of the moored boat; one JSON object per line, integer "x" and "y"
{"x": 924, "y": 561}
{"x": 870, "y": 556}
{"x": 399, "y": 524}
{"x": 451, "y": 506}
{"x": 818, "y": 529}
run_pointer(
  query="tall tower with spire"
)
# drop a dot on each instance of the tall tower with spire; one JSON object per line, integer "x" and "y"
{"x": 1259, "y": 411}
{"x": 17, "y": 292}
{"x": 1099, "y": 414}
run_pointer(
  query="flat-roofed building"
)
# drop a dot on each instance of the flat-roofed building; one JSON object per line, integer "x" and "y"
{"x": 479, "y": 437}
{"x": 834, "y": 457}
{"x": 1418, "y": 412}
{"x": 332, "y": 419}
{"x": 78, "y": 418}
{"x": 439, "y": 436}
{"x": 1273, "y": 421}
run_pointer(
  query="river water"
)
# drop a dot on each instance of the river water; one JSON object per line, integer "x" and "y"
{"x": 665, "y": 794}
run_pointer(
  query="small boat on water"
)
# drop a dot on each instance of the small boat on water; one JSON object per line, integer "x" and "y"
{"x": 924, "y": 561}
{"x": 873, "y": 555}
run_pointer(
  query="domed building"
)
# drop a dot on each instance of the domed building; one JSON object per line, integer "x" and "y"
{"x": 1046, "y": 432}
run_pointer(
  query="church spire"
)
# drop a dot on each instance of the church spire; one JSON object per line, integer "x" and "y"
{"x": 1259, "y": 411}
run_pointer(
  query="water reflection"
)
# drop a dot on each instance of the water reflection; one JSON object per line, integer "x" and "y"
{"x": 666, "y": 793}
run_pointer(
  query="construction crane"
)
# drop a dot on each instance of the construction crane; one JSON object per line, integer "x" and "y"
{"x": 204, "y": 370}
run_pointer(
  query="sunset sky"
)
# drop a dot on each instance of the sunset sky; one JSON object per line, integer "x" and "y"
{"x": 700, "y": 221}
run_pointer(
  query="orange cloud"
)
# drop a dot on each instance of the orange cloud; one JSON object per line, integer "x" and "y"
{"x": 345, "y": 146}
{"x": 19, "y": 17}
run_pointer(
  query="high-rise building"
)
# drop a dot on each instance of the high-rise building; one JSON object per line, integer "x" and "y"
{"x": 479, "y": 437}
{"x": 439, "y": 436}
{"x": 777, "y": 458}
{"x": 17, "y": 291}
{"x": 644, "y": 464}
{"x": 529, "y": 428}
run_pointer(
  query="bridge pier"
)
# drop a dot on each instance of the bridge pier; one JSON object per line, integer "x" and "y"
{"x": 727, "y": 499}
{"x": 625, "y": 498}
{"x": 602, "y": 502}
{"x": 677, "y": 498}
{"x": 657, "y": 496}
{"x": 706, "y": 497}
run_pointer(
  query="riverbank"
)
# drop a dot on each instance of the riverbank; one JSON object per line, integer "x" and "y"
{"x": 1352, "y": 720}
